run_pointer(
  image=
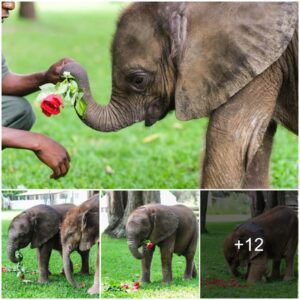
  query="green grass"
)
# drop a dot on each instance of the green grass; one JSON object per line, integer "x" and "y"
{"x": 58, "y": 287}
{"x": 119, "y": 266}
{"x": 172, "y": 160}
{"x": 213, "y": 265}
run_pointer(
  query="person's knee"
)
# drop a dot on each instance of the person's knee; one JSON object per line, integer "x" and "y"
{"x": 28, "y": 115}
{"x": 17, "y": 113}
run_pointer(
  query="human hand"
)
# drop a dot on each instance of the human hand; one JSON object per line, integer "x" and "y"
{"x": 54, "y": 155}
{"x": 53, "y": 73}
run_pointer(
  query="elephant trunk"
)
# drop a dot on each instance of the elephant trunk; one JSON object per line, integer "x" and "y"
{"x": 234, "y": 270}
{"x": 133, "y": 247}
{"x": 11, "y": 252}
{"x": 68, "y": 268}
{"x": 112, "y": 117}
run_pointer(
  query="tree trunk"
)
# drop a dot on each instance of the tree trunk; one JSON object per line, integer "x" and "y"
{"x": 92, "y": 193}
{"x": 258, "y": 203}
{"x": 27, "y": 10}
{"x": 262, "y": 201}
{"x": 121, "y": 204}
{"x": 203, "y": 209}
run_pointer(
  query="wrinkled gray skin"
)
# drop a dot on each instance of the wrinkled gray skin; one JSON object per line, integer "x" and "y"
{"x": 80, "y": 230}
{"x": 278, "y": 229}
{"x": 235, "y": 62}
{"x": 174, "y": 229}
{"x": 39, "y": 226}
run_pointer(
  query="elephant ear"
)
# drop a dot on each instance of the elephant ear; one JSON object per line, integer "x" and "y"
{"x": 226, "y": 45}
{"x": 45, "y": 221}
{"x": 90, "y": 218}
{"x": 165, "y": 223}
{"x": 257, "y": 236}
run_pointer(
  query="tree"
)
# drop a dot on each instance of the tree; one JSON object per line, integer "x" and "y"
{"x": 92, "y": 193}
{"x": 27, "y": 10}
{"x": 264, "y": 200}
{"x": 205, "y": 195}
{"x": 184, "y": 196}
{"x": 257, "y": 202}
{"x": 121, "y": 204}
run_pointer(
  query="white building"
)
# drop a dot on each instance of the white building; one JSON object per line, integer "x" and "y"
{"x": 49, "y": 197}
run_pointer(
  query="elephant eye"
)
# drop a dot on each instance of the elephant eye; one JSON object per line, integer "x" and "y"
{"x": 138, "y": 81}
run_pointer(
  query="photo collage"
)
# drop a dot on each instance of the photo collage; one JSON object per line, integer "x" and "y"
{"x": 149, "y": 150}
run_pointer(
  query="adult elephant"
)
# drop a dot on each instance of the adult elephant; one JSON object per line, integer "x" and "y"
{"x": 234, "y": 62}
{"x": 272, "y": 235}
{"x": 39, "y": 226}
{"x": 174, "y": 229}
{"x": 80, "y": 231}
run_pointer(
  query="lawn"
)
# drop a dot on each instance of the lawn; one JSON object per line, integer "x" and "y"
{"x": 119, "y": 266}
{"x": 163, "y": 156}
{"x": 213, "y": 266}
{"x": 58, "y": 287}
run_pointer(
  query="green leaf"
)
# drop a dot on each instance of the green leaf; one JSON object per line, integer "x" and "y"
{"x": 67, "y": 98}
{"x": 80, "y": 107}
{"x": 73, "y": 86}
{"x": 61, "y": 88}
{"x": 73, "y": 98}
{"x": 48, "y": 87}
{"x": 19, "y": 255}
{"x": 80, "y": 95}
{"x": 42, "y": 95}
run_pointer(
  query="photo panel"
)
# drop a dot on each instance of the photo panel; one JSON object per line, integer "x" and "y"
{"x": 199, "y": 75}
{"x": 249, "y": 244}
{"x": 50, "y": 244}
{"x": 149, "y": 243}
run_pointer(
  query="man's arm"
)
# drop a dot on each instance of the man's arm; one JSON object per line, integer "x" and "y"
{"x": 21, "y": 85}
{"x": 47, "y": 150}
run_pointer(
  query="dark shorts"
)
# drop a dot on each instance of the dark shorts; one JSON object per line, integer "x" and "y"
{"x": 17, "y": 113}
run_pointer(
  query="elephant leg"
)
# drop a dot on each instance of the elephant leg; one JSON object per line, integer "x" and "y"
{"x": 166, "y": 252}
{"x": 289, "y": 269}
{"x": 291, "y": 249}
{"x": 194, "y": 272}
{"x": 275, "y": 269}
{"x": 236, "y": 131}
{"x": 95, "y": 289}
{"x": 257, "y": 174}
{"x": 84, "y": 262}
{"x": 190, "y": 269}
{"x": 146, "y": 265}
{"x": 43, "y": 255}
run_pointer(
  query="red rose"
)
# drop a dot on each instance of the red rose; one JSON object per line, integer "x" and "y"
{"x": 150, "y": 245}
{"x": 3, "y": 270}
{"x": 50, "y": 105}
{"x": 136, "y": 286}
{"x": 125, "y": 286}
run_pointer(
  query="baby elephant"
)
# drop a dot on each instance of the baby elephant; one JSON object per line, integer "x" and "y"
{"x": 39, "y": 226}
{"x": 271, "y": 235}
{"x": 80, "y": 231}
{"x": 174, "y": 229}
